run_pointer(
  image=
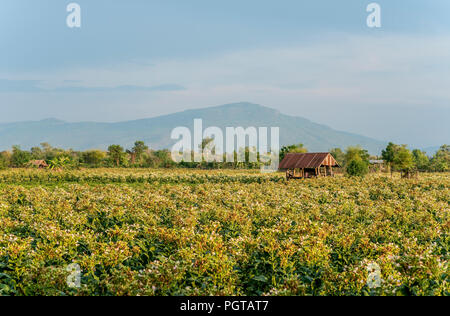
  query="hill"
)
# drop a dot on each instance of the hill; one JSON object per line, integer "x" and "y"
{"x": 156, "y": 131}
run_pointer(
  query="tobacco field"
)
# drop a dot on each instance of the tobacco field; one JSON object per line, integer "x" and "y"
{"x": 182, "y": 232}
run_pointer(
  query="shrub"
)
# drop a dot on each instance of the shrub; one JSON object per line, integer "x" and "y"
{"x": 357, "y": 168}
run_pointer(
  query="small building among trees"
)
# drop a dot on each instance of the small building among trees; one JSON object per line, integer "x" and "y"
{"x": 308, "y": 165}
{"x": 40, "y": 164}
{"x": 377, "y": 165}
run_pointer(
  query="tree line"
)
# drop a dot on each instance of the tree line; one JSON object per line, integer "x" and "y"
{"x": 139, "y": 156}
{"x": 396, "y": 158}
{"x": 354, "y": 160}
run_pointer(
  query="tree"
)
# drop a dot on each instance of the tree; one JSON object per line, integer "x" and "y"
{"x": 403, "y": 160}
{"x": 93, "y": 157}
{"x": 5, "y": 159}
{"x": 19, "y": 157}
{"x": 421, "y": 160}
{"x": 137, "y": 151}
{"x": 357, "y": 167}
{"x": 299, "y": 148}
{"x": 59, "y": 163}
{"x": 46, "y": 147}
{"x": 356, "y": 153}
{"x": 357, "y": 161}
{"x": 139, "y": 148}
{"x": 339, "y": 155}
{"x": 115, "y": 152}
{"x": 37, "y": 153}
{"x": 388, "y": 155}
{"x": 441, "y": 160}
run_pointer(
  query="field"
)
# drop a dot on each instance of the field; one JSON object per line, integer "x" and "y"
{"x": 158, "y": 232}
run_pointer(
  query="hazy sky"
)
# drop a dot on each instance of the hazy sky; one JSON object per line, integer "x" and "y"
{"x": 317, "y": 59}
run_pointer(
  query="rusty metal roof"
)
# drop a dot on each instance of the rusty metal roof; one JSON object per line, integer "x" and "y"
{"x": 38, "y": 163}
{"x": 308, "y": 160}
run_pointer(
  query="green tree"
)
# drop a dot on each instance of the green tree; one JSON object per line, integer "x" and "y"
{"x": 356, "y": 161}
{"x": 357, "y": 167}
{"x": 5, "y": 159}
{"x": 59, "y": 163}
{"x": 403, "y": 160}
{"x": 441, "y": 160}
{"x": 421, "y": 160}
{"x": 137, "y": 151}
{"x": 339, "y": 155}
{"x": 139, "y": 148}
{"x": 46, "y": 147}
{"x": 93, "y": 157}
{"x": 356, "y": 153}
{"x": 388, "y": 155}
{"x": 299, "y": 148}
{"x": 37, "y": 153}
{"x": 115, "y": 152}
{"x": 20, "y": 158}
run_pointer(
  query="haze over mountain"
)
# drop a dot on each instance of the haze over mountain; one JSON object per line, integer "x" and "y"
{"x": 156, "y": 131}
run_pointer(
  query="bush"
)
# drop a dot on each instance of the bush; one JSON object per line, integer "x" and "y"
{"x": 357, "y": 168}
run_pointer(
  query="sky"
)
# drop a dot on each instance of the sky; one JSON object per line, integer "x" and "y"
{"x": 315, "y": 59}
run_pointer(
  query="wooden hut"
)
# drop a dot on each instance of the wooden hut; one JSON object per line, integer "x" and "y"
{"x": 377, "y": 165}
{"x": 300, "y": 166}
{"x": 41, "y": 164}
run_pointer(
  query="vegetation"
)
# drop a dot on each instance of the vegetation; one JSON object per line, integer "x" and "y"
{"x": 357, "y": 167}
{"x": 185, "y": 232}
{"x": 298, "y": 149}
{"x": 354, "y": 160}
{"x": 441, "y": 161}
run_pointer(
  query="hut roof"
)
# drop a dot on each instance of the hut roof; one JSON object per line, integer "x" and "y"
{"x": 38, "y": 163}
{"x": 308, "y": 160}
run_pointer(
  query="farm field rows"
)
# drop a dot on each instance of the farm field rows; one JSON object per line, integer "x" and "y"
{"x": 183, "y": 232}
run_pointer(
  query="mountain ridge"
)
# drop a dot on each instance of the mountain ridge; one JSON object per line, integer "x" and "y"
{"x": 155, "y": 131}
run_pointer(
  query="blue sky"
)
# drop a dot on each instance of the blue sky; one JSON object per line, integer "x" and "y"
{"x": 316, "y": 59}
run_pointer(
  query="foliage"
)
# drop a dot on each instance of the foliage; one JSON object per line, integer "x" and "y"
{"x": 356, "y": 153}
{"x": 5, "y": 160}
{"x": 441, "y": 160}
{"x": 339, "y": 155}
{"x": 137, "y": 151}
{"x": 115, "y": 152}
{"x": 19, "y": 157}
{"x": 221, "y": 233}
{"x": 59, "y": 163}
{"x": 357, "y": 167}
{"x": 421, "y": 160}
{"x": 93, "y": 157}
{"x": 388, "y": 154}
{"x": 403, "y": 159}
{"x": 141, "y": 156}
{"x": 357, "y": 161}
{"x": 298, "y": 148}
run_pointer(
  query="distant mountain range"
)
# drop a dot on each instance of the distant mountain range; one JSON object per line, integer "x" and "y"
{"x": 156, "y": 131}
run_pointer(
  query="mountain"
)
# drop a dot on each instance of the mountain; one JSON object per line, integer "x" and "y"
{"x": 156, "y": 131}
